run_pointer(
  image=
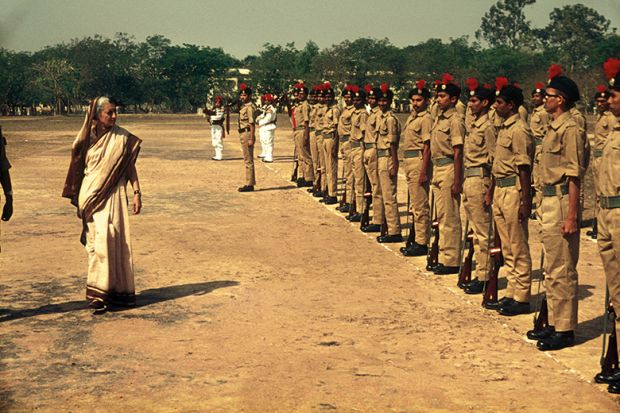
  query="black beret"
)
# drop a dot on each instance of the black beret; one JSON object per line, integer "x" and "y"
{"x": 511, "y": 93}
{"x": 566, "y": 86}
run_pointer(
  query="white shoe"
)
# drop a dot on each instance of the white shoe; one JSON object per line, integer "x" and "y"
{"x": 216, "y": 158}
{"x": 261, "y": 156}
{"x": 267, "y": 160}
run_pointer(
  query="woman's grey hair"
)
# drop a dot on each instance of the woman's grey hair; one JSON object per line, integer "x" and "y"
{"x": 99, "y": 105}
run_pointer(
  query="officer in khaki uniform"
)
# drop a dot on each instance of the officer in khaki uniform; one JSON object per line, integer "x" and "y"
{"x": 370, "y": 159}
{"x": 5, "y": 180}
{"x": 539, "y": 123}
{"x": 313, "y": 100}
{"x": 321, "y": 181}
{"x": 447, "y": 136}
{"x": 510, "y": 195}
{"x": 247, "y": 120}
{"x": 301, "y": 135}
{"x": 329, "y": 132}
{"x": 563, "y": 158}
{"x": 344, "y": 135}
{"x": 609, "y": 211}
{"x": 478, "y": 158}
{"x": 388, "y": 137}
{"x": 605, "y": 122}
{"x": 356, "y": 140}
{"x": 417, "y": 153}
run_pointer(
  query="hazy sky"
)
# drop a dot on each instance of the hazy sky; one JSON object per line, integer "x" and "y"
{"x": 242, "y": 27}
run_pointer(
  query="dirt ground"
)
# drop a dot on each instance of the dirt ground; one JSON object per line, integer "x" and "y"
{"x": 264, "y": 301}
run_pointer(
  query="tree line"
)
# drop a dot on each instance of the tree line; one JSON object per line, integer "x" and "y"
{"x": 155, "y": 75}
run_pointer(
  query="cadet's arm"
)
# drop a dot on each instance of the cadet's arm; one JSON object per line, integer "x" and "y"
{"x": 457, "y": 187}
{"x": 426, "y": 160}
{"x": 570, "y": 223}
{"x": 525, "y": 179}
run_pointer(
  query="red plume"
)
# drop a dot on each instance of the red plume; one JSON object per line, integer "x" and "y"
{"x": 472, "y": 83}
{"x": 501, "y": 82}
{"x": 355, "y": 88}
{"x": 486, "y": 86}
{"x": 601, "y": 88}
{"x": 446, "y": 78}
{"x": 368, "y": 88}
{"x": 554, "y": 70}
{"x": 539, "y": 85}
{"x": 243, "y": 86}
{"x": 384, "y": 87}
{"x": 437, "y": 82}
{"x": 316, "y": 88}
{"x": 420, "y": 84}
{"x": 218, "y": 99}
{"x": 611, "y": 67}
{"x": 515, "y": 84}
{"x": 327, "y": 85}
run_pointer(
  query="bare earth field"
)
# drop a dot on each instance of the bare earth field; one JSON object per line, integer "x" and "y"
{"x": 264, "y": 301}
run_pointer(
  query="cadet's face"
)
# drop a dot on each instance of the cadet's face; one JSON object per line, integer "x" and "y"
{"x": 347, "y": 100}
{"x": 384, "y": 104}
{"x": 444, "y": 100}
{"x": 358, "y": 102}
{"x": 614, "y": 102}
{"x": 553, "y": 100}
{"x": 302, "y": 96}
{"x": 322, "y": 99}
{"x": 244, "y": 97}
{"x": 372, "y": 101}
{"x": 502, "y": 107}
{"x": 537, "y": 99}
{"x": 418, "y": 103}
{"x": 107, "y": 115}
{"x": 476, "y": 105}
{"x": 602, "y": 105}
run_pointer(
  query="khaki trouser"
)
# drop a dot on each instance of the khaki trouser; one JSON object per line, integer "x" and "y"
{"x": 419, "y": 203}
{"x": 561, "y": 256}
{"x": 314, "y": 154}
{"x": 609, "y": 247}
{"x": 536, "y": 181}
{"x": 331, "y": 164}
{"x": 322, "y": 161}
{"x": 370, "y": 164}
{"x": 345, "y": 150}
{"x": 448, "y": 217}
{"x": 388, "y": 187}
{"x": 595, "y": 161}
{"x": 514, "y": 238}
{"x": 357, "y": 161}
{"x": 248, "y": 158}
{"x": 479, "y": 217}
{"x": 303, "y": 155}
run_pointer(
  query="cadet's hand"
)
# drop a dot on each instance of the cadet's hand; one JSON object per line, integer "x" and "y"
{"x": 457, "y": 187}
{"x": 488, "y": 200}
{"x": 137, "y": 204}
{"x": 394, "y": 169}
{"x": 422, "y": 179}
{"x": 569, "y": 226}
{"x": 525, "y": 210}
{"x": 7, "y": 211}
{"x": 251, "y": 141}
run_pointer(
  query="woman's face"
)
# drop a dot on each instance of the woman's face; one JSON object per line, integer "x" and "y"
{"x": 107, "y": 115}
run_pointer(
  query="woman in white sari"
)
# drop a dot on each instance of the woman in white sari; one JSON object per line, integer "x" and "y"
{"x": 102, "y": 162}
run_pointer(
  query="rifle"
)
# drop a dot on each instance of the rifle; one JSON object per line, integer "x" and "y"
{"x": 365, "y": 221}
{"x": 609, "y": 359}
{"x": 343, "y": 200}
{"x": 496, "y": 260}
{"x": 411, "y": 234}
{"x": 432, "y": 257}
{"x": 541, "y": 316}
{"x": 295, "y": 165}
{"x": 353, "y": 203}
{"x": 466, "y": 265}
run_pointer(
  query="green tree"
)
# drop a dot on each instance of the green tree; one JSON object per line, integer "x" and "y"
{"x": 505, "y": 24}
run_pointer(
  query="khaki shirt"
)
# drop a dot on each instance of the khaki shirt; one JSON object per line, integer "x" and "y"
{"x": 562, "y": 151}
{"x": 313, "y": 114}
{"x": 514, "y": 147}
{"x": 539, "y": 123}
{"x": 523, "y": 113}
{"x": 358, "y": 124}
{"x": 433, "y": 109}
{"x": 4, "y": 162}
{"x": 247, "y": 115}
{"x": 609, "y": 169}
{"x": 605, "y": 123}
{"x": 417, "y": 131}
{"x": 329, "y": 121}
{"x": 460, "y": 107}
{"x": 479, "y": 143}
{"x": 388, "y": 130}
{"x": 584, "y": 147}
{"x": 320, "y": 112}
{"x": 447, "y": 132}
{"x": 301, "y": 111}
{"x": 371, "y": 125}
{"x": 344, "y": 123}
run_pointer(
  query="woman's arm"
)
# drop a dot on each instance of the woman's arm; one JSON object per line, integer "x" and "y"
{"x": 135, "y": 185}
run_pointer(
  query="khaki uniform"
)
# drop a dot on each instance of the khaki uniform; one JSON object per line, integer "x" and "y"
{"x": 301, "y": 112}
{"x": 514, "y": 148}
{"x": 539, "y": 123}
{"x": 609, "y": 217}
{"x": 388, "y": 136}
{"x": 344, "y": 134}
{"x": 246, "y": 118}
{"x": 417, "y": 132}
{"x": 433, "y": 109}
{"x": 461, "y": 108}
{"x": 320, "y": 112}
{"x": 563, "y": 154}
{"x": 329, "y": 126}
{"x": 314, "y": 146}
{"x": 478, "y": 149}
{"x": 358, "y": 128}
{"x": 605, "y": 123}
{"x": 447, "y": 132}
{"x": 370, "y": 164}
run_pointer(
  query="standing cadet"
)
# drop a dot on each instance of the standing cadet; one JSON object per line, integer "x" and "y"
{"x": 563, "y": 164}
{"x": 388, "y": 137}
{"x": 329, "y": 131}
{"x": 5, "y": 180}
{"x": 321, "y": 190}
{"x": 478, "y": 158}
{"x": 417, "y": 154}
{"x": 609, "y": 212}
{"x": 216, "y": 119}
{"x": 370, "y": 159}
{"x": 356, "y": 140}
{"x": 447, "y": 137}
{"x": 266, "y": 122}
{"x": 510, "y": 195}
{"x": 344, "y": 134}
{"x": 301, "y": 135}
{"x": 605, "y": 122}
{"x": 314, "y": 103}
{"x": 247, "y": 135}
{"x": 539, "y": 123}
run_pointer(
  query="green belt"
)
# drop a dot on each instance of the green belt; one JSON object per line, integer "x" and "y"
{"x": 477, "y": 171}
{"x": 383, "y": 153}
{"x": 597, "y": 153}
{"x": 369, "y": 145}
{"x": 507, "y": 181}
{"x": 552, "y": 190}
{"x": 610, "y": 202}
{"x": 328, "y": 135}
{"x": 538, "y": 141}
{"x": 311, "y": 129}
{"x": 318, "y": 133}
{"x": 241, "y": 130}
{"x": 443, "y": 161}
{"x": 356, "y": 144}
{"x": 415, "y": 153}
{"x": 344, "y": 138}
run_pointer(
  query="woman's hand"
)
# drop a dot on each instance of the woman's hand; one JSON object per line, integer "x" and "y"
{"x": 137, "y": 204}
